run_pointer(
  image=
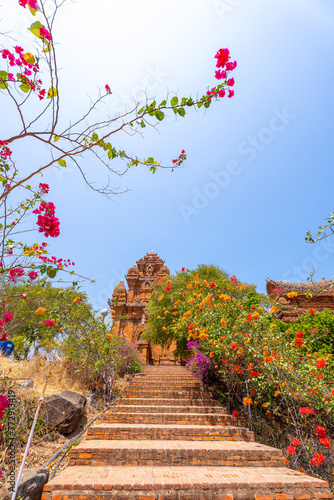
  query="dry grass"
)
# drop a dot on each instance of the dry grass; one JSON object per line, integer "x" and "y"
{"x": 58, "y": 375}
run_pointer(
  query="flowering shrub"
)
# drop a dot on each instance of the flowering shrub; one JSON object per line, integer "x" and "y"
{"x": 100, "y": 356}
{"x": 260, "y": 369}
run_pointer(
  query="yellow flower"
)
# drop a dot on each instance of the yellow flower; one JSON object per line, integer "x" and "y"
{"x": 255, "y": 315}
{"x": 26, "y": 253}
{"x": 273, "y": 310}
{"x": 239, "y": 351}
{"x": 223, "y": 323}
{"x": 40, "y": 310}
{"x": 203, "y": 336}
{"x": 164, "y": 328}
{"x": 277, "y": 393}
{"x": 290, "y": 295}
{"x": 242, "y": 286}
{"x": 109, "y": 336}
{"x": 211, "y": 354}
{"x": 161, "y": 298}
{"x": 265, "y": 405}
{"x": 247, "y": 401}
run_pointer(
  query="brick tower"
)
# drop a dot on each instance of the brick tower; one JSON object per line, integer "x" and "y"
{"x": 128, "y": 307}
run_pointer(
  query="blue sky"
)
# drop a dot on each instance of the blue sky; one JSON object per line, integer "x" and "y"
{"x": 259, "y": 166}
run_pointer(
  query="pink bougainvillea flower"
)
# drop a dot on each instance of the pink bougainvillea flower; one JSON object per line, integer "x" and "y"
{"x": 7, "y": 317}
{"x": 45, "y": 33}
{"x": 49, "y": 323}
{"x": 222, "y": 56}
{"x": 306, "y": 411}
{"x": 277, "y": 290}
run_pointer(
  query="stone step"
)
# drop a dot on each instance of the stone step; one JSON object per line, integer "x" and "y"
{"x": 154, "y": 393}
{"x": 167, "y": 409}
{"x": 166, "y": 385}
{"x": 169, "y": 418}
{"x": 167, "y": 402}
{"x": 144, "y": 452}
{"x": 184, "y": 483}
{"x": 165, "y": 431}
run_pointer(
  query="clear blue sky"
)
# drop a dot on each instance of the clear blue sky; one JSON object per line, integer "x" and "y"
{"x": 259, "y": 169}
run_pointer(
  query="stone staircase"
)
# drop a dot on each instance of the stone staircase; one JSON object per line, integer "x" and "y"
{"x": 167, "y": 439}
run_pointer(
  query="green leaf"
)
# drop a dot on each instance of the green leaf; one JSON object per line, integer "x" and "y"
{"x": 62, "y": 163}
{"x": 51, "y": 272}
{"x": 159, "y": 115}
{"x": 174, "y": 101}
{"x": 141, "y": 110}
{"x": 142, "y": 124}
{"x": 34, "y": 28}
{"x": 163, "y": 103}
{"x": 150, "y": 160}
{"x": 52, "y": 92}
{"x": 33, "y": 11}
{"x": 181, "y": 111}
{"x": 199, "y": 104}
{"x": 3, "y": 75}
{"x": 3, "y": 85}
{"x": 207, "y": 104}
{"x": 95, "y": 137}
{"x": 24, "y": 87}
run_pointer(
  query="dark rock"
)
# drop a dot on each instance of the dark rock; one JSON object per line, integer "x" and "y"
{"x": 31, "y": 485}
{"x": 92, "y": 399}
{"x": 64, "y": 411}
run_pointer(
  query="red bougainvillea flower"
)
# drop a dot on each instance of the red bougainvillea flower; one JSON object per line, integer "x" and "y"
{"x": 326, "y": 442}
{"x": 7, "y": 317}
{"x": 295, "y": 442}
{"x": 49, "y": 323}
{"x": 234, "y": 280}
{"x": 183, "y": 269}
{"x": 108, "y": 89}
{"x": 291, "y": 450}
{"x": 212, "y": 285}
{"x": 306, "y": 411}
{"x": 249, "y": 317}
{"x": 234, "y": 345}
{"x": 321, "y": 363}
{"x": 311, "y": 311}
{"x": 235, "y": 413}
{"x": 317, "y": 459}
{"x": 44, "y": 187}
{"x": 320, "y": 432}
{"x": 33, "y": 275}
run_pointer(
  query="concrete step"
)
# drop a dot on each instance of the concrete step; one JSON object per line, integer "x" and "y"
{"x": 165, "y": 431}
{"x": 144, "y": 452}
{"x": 166, "y": 402}
{"x": 168, "y": 418}
{"x": 184, "y": 483}
{"x": 167, "y": 409}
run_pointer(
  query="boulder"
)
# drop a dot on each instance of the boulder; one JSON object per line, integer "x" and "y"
{"x": 27, "y": 384}
{"x": 31, "y": 485}
{"x": 64, "y": 411}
